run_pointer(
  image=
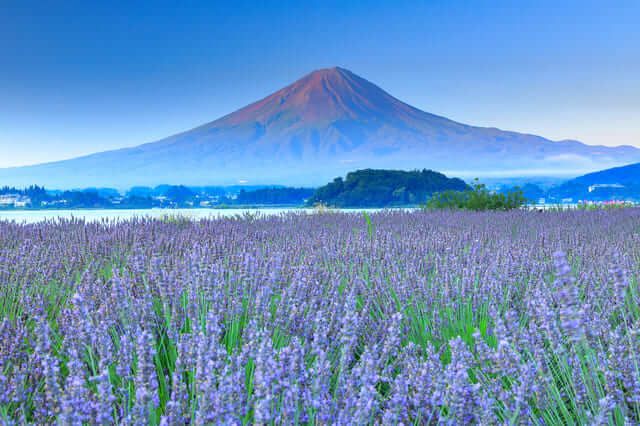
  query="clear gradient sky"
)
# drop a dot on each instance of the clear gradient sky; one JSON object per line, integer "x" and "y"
{"x": 80, "y": 77}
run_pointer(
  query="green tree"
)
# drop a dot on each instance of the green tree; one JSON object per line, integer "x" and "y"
{"x": 478, "y": 198}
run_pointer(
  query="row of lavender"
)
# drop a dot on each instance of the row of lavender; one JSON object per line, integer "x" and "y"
{"x": 400, "y": 318}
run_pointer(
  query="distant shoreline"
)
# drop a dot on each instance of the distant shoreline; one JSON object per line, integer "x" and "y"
{"x": 283, "y": 206}
{"x": 116, "y": 215}
{"x": 228, "y": 207}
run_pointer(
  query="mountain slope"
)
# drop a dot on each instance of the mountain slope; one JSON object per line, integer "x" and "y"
{"x": 625, "y": 175}
{"x": 619, "y": 183}
{"x": 323, "y": 125}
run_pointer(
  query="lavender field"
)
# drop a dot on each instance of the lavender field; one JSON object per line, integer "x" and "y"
{"x": 393, "y": 318}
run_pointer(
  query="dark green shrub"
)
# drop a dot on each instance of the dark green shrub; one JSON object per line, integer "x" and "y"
{"x": 478, "y": 198}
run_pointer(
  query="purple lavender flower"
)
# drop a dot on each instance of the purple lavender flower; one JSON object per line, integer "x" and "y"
{"x": 439, "y": 318}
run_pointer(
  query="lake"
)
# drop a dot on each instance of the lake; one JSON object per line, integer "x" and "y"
{"x": 33, "y": 216}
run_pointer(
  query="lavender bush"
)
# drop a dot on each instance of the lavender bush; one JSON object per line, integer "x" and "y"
{"x": 397, "y": 318}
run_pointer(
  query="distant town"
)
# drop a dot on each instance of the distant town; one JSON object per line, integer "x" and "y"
{"x": 163, "y": 196}
{"x": 362, "y": 188}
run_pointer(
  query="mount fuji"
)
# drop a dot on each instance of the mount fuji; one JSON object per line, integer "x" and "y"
{"x": 327, "y": 123}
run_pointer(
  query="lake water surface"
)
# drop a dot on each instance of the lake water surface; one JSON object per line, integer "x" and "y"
{"x": 33, "y": 216}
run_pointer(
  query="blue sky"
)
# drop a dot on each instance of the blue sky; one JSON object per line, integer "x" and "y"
{"x": 80, "y": 77}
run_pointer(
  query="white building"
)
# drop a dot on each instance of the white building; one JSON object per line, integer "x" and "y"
{"x": 6, "y": 200}
{"x": 14, "y": 200}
